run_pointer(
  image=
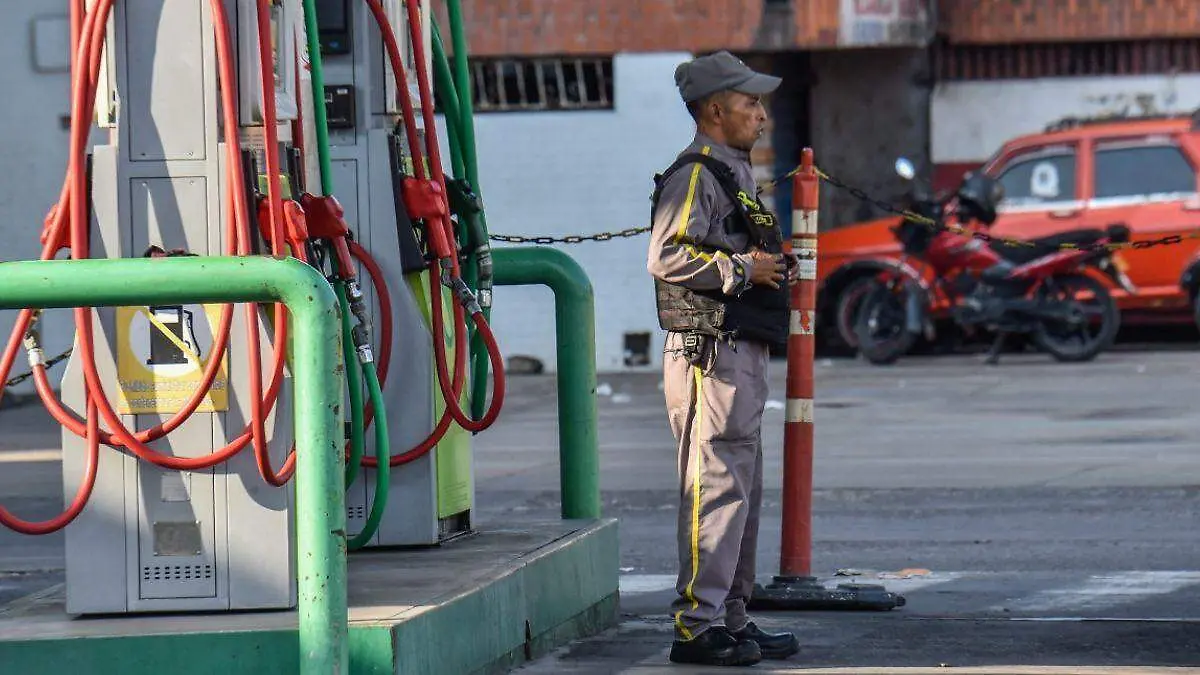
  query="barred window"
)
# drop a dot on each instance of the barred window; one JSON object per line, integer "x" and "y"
{"x": 533, "y": 84}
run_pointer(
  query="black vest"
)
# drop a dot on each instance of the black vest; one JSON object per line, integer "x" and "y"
{"x": 761, "y": 313}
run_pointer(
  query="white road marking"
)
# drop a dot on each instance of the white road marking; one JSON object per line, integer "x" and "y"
{"x": 1104, "y": 590}
{"x": 637, "y": 584}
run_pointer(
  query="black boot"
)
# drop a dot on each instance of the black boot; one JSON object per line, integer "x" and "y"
{"x": 716, "y": 647}
{"x": 772, "y": 645}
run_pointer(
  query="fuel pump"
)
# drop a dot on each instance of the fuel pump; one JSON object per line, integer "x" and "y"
{"x": 376, "y": 57}
{"x": 178, "y": 456}
{"x": 176, "y": 419}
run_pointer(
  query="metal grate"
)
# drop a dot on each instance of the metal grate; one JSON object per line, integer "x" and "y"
{"x": 503, "y": 85}
{"x": 1065, "y": 59}
{"x": 176, "y": 572}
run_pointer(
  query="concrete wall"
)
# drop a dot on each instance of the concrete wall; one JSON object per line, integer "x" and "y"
{"x": 33, "y": 145}
{"x": 972, "y": 119}
{"x": 559, "y": 173}
{"x": 868, "y": 107}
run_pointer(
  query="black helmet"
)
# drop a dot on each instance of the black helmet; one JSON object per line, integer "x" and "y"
{"x": 978, "y": 197}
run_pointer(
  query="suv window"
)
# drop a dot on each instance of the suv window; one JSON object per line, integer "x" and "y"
{"x": 1143, "y": 170}
{"x": 1039, "y": 178}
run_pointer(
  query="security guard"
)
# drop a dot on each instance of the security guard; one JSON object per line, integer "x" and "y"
{"x": 716, "y": 258}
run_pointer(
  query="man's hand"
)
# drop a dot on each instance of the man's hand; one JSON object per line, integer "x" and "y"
{"x": 768, "y": 269}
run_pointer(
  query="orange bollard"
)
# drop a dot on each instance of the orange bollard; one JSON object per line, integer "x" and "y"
{"x": 795, "y": 558}
{"x": 795, "y": 588}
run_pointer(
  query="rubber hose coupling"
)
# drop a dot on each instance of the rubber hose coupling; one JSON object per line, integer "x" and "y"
{"x": 358, "y": 307}
{"x": 484, "y": 261}
{"x": 465, "y": 297}
{"x": 32, "y": 343}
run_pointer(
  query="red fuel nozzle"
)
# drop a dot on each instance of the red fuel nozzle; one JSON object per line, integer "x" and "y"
{"x": 327, "y": 220}
{"x": 425, "y": 200}
{"x": 294, "y": 220}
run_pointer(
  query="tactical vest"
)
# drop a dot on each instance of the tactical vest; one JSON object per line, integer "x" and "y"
{"x": 761, "y": 313}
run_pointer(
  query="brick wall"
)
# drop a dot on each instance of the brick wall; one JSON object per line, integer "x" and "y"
{"x": 1000, "y": 21}
{"x": 528, "y": 27}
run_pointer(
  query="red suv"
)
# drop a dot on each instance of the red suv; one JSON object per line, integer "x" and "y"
{"x": 1140, "y": 172}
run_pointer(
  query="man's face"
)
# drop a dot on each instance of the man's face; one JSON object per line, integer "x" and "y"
{"x": 743, "y": 119}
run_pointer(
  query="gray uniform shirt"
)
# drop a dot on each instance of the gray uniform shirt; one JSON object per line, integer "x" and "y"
{"x": 688, "y": 225}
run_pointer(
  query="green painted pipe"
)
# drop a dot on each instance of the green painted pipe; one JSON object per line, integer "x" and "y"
{"x": 575, "y": 333}
{"x": 317, "y": 371}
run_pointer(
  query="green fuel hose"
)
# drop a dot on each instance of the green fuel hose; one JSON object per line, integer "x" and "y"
{"x": 463, "y": 118}
{"x": 354, "y": 385}
{"x": 382, "y": 449}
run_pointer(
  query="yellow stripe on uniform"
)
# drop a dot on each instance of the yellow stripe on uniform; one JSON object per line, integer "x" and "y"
{"x": 698, "y": 463}
{"x": 686, "y": 214}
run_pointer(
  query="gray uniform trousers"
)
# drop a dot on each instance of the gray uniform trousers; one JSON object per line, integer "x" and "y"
{"x": 715, "y": 411}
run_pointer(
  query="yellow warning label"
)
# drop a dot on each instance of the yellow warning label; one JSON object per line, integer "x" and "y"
{"x": 161, "y": 355}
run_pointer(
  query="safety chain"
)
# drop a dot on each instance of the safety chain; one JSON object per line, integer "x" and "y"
{"x": 606, "y": 236}
{"x": 49, "y": 364}
{"x": 860, "y": 194}
{"x": 569, "y": 239}
{"x": 991, "y": 238}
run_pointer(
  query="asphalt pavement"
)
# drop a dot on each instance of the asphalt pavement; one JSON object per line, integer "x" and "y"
{"x": 1033, "y": 513}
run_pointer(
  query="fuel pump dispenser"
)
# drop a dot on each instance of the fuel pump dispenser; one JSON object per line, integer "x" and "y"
{"x": 158, "y": 403}
{"x": 177, "y": 428}
{"x": 430, "y": 492}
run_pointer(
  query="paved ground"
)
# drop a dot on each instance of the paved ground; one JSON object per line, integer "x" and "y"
{"x": 1017, "y": 500}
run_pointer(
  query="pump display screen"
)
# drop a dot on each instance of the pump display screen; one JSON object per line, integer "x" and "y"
{"x": 333, "y": 19}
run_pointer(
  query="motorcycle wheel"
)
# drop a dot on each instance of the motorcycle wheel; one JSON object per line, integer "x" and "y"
{"x": 846, "y": 312}
{"x": 1076, "y": 341}
{"x": 1196, "y": 310}
{"x": 879, "y": 324}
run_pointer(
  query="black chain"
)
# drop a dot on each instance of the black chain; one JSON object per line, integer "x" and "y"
{"x": 861, "y": 195}
{"x": 569, "y": 239}
{"x": 606, "y": 236}
{"x": 991, "y": 238}
{"x": 49, "y": 364}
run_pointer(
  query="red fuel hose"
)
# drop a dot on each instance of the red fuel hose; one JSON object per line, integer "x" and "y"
{"x": 258, "y": 416}
{"x": 72, "y": 210}
{"x": 440, "y": 233}
{"x": 385, "y": 349}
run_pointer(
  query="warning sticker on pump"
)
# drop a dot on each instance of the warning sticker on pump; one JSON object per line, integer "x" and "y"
{"x": 161, "y": 354}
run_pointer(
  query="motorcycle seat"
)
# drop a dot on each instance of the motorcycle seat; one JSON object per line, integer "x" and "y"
{"x": 1043, "y": 246}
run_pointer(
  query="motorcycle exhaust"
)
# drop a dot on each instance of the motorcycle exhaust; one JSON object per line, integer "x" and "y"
{"x": 1030, "y": 309}
{"x": 912, "y": 312}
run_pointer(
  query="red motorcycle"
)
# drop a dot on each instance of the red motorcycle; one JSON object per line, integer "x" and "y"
{"x": 1052, "y": 295}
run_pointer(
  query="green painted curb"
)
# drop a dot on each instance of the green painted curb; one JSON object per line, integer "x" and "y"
{"x": 560, "y": 592}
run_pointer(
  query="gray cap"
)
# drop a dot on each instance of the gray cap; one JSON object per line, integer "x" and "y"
{"x": 720, "y": 71}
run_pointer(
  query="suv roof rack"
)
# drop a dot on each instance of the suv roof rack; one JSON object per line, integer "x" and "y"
{"x": 1076, "y": 122}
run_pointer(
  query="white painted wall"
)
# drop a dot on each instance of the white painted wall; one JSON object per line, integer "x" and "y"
{"x": 33, "y": 146}
{"x": 558, "y": 173}
{"x": 970, "y": 120}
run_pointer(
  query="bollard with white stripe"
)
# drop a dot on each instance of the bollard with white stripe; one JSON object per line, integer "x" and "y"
{"x": 795, "y": 588}
{"x": 796, "y": 552}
